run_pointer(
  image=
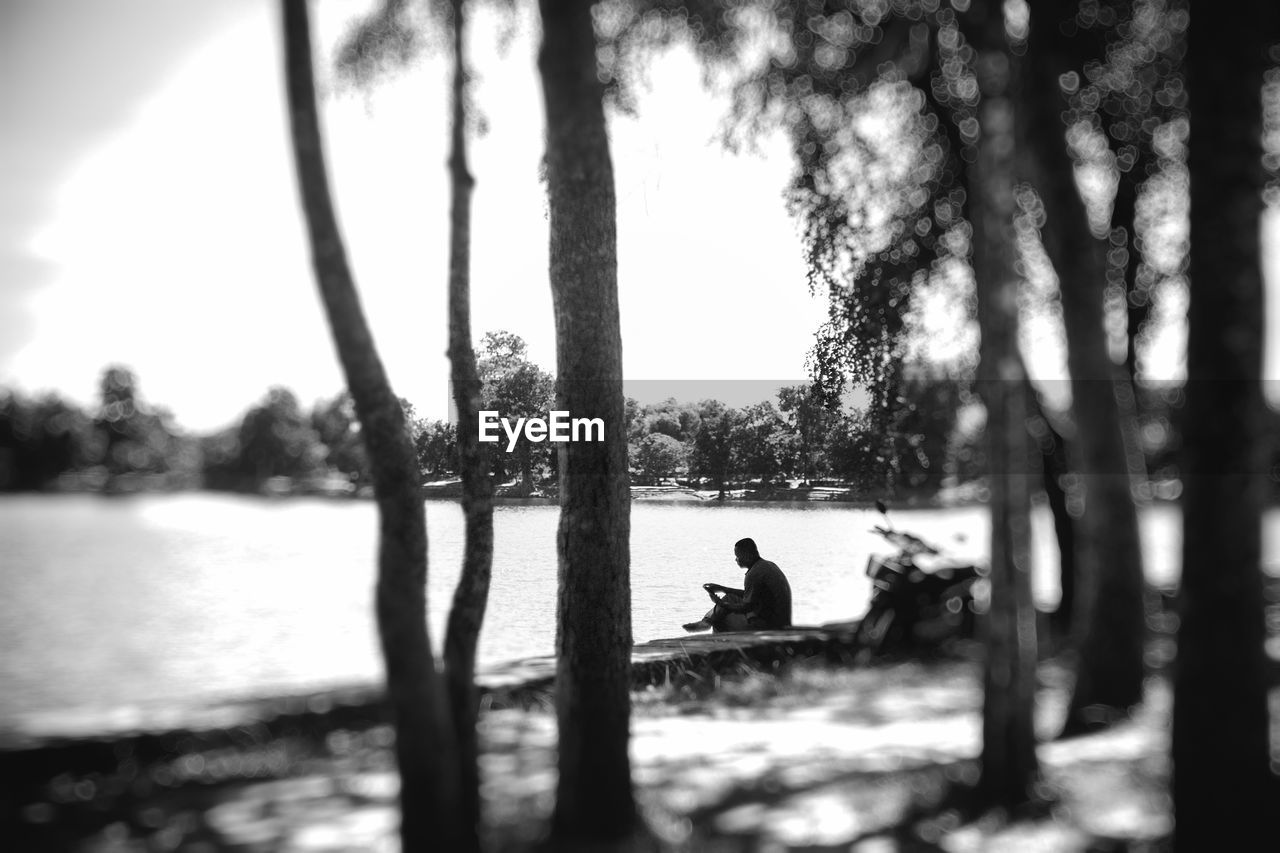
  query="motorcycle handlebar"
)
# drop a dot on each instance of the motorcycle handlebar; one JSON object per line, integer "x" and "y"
{"x": 906, "y": 541}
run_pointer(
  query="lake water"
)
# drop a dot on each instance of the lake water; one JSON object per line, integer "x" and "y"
{"x": 112, "y": 605}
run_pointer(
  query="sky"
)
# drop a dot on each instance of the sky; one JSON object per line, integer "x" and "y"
{"x": 150, "y": 216}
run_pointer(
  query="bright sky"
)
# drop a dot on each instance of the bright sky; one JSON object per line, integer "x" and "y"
{"x": 150, "y": 216}
{"x": 157, "y": 221}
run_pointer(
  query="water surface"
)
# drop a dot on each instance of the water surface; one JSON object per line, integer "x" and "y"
{"x": 108, "y": 605}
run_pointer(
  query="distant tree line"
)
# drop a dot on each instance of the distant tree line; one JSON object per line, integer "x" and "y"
{"x": 929, "y": 437}
{"x": 800, "y": 436}
{"x": 123, "y": 441}
{"x": 125, "y": 444}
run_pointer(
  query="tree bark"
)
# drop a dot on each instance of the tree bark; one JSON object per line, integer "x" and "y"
{"x": 593, "y": 642}
{"x": 525, "y": 453}
{"x": 1124, "y": 215}
{"x": 470, "y": 597}
{"x": 1009, "y": 765}
{"x": 1110, "y": 625}
{"x": 1053, "y": 464}
{"x": 425, "y": 752}
{"x": 1224, "y": 793}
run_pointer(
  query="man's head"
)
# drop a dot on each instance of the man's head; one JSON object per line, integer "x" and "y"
{"x": 746, "y": 552}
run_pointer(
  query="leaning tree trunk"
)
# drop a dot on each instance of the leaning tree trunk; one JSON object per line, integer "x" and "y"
{"x": 1009, "y": 765}
{"x": 1109, "y": 616}
{"x": 470, "y": 597}
{"x": 424, "y": 748}
{"x": 594, "y": 798}
{"x": 1224, "y": 794}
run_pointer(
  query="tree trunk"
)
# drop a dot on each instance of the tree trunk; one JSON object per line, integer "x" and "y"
{"x": 1053, "y": 462}
{"x": 525, "y": 452}
{"x": 593, "y": 643}
{"x": 1124, "y": 215}
{"x": 470, "y": 597}
{"x": 1009, "y": 765}
{"x": 1109, "y": 616}
{"x": 1053, "y": 451}
{"x": 1224, "y": 794}
{"x": 425, "y": 751}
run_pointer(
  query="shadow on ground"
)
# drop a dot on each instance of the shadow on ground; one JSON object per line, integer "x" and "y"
{"x": 811, "y": 757}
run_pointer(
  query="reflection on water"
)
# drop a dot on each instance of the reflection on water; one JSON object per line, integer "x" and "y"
{"x": 109, "y": 603}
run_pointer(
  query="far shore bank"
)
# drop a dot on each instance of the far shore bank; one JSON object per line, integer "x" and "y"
{"x": 790, "y": 492}
{"x": 778, "y": 494}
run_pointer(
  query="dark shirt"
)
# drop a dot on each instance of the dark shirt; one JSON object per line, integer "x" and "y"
{"x": 767, "y": 596}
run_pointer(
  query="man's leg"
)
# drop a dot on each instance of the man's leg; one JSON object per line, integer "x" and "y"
{"x": 702, "y": 624}
{"x": 730, "y": 622}
{"x": 723, "y": 619}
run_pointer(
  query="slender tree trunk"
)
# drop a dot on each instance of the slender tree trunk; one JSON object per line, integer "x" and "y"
{"x": 1009, "y": 765}
{"x": 470, "y": 597}
{"x": 1124, "y": 215}
{"x": 425, "y": 751}
{"x": 525, "y": 452}
{"x": 1110, "y": 619}
{"x": 594, "y": 798}
{"x": 1224, "y": 794}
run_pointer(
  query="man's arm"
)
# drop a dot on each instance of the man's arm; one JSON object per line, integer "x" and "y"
{"x": 745, "y": 604}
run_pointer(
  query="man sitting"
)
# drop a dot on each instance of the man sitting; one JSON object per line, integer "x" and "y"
{"x": 763, "y": 603}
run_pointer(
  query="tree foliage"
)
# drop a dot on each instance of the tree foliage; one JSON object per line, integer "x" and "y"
{"x": 276, "y": 439}
{"x": 437, "y": 446}
{"x": 41, "y": 439}
{"x": 337, "y": 428}
{"x": 712, "y": 453}
{"x": 658, "y": 456}
{"x": 879, "y": 100}
{"x": 515, "y": 387}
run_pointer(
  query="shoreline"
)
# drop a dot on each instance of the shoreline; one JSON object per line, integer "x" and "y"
{"x": 31, "y": 758}
{"x": 511, "y": 683}
{"x": 963, "y": 497}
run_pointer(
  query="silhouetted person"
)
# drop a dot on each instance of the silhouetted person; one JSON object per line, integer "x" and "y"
{"x": 764, "y": 602}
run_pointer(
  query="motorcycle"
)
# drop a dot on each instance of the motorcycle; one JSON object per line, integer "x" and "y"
{"x": 920, "y": 596}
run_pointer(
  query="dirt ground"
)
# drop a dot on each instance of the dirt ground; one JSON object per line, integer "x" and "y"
{"x": 805, "y": 758}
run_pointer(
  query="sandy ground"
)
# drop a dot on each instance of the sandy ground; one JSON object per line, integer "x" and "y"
{"x": 808, "y": 759}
